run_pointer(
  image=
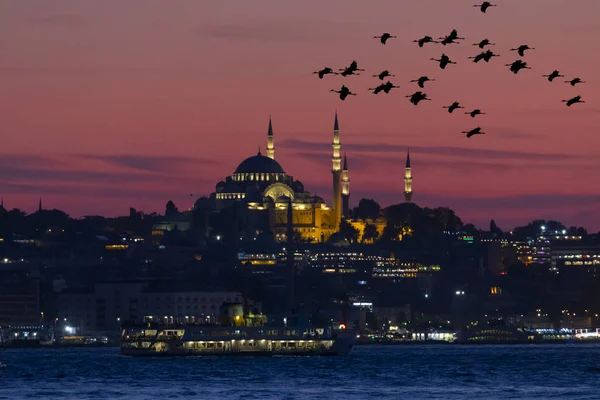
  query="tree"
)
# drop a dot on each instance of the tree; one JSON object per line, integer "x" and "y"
{"x": 170, "y": 209}
{"x": 370, "y": 234}
{"x": 494, "y": 230}
{"x": 348, "y": 231}
{"x": 367, "y": 209}
{"x": 390, "y": 232}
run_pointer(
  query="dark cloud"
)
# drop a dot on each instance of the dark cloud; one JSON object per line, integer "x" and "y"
{"x": 42, "y": 174}
{"x": 354, "y": 161}
{"x": 161, "y": 164}
{"x": 466, "y": 153}
{"x": 522, "y": 202}
{"x": 85, "y": 191}
{"x": 362, "y": 161}
{"x": 263, "y": 31}
{"x": 35, "y": 168}
{"x": 61, "y": 20}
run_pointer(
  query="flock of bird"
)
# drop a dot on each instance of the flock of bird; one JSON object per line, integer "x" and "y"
{"x": 444, "y": 61}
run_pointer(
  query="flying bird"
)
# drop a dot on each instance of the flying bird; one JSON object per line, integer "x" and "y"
{"x": 478, "y": 57}
{"x": 383, "y": 75}
{"x": 453, "y": 35}
{"x": 483, "y": 43}
{"x": 476, "y": 131}
{"x": 421, "y": 81}
{"x": 521, "y": 49}
{"x": 344, "y": 92}
{"x": 575, "y": 81}
{"x": 383, "y": 38}
{"x": 324, "y": 72}
{"x": 576, "y": 99}
{"x": 416, "y": 97}
{"x": 444, "y": 61}
{"x": 518, "y": 65}
{"x": 447, "y": 40}
{"x": 475, "y": 113}
{"x": 453, "y": 106}
{"x": 484, "y": 6}
{"x": 423, "y": 40}
{"x": 351, "y": 69}
{"x": 386, "y": 87}
{"x": 378, "y": 89}
{"x": 554, "y": 74}
{"x": 487, "y": 56}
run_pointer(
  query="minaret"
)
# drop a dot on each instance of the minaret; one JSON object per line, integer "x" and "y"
{"x": 336, "y": 171}
{"x": 290, "y": 254}
{"x": 407, "y": 180}
{"x": 40, "y": 206}
{"x": 345, "y": 190}
{"x": 270, "y": 141}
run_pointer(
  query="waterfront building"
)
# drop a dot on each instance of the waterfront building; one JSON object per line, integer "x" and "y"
{"x": 105, "y": 306}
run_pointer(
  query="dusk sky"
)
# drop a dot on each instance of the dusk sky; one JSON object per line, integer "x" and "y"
{"x": 111, "y": 104}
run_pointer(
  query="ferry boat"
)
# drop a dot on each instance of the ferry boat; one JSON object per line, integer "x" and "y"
{"x": 215, "y": 340}
{"x": 237, "y": 335}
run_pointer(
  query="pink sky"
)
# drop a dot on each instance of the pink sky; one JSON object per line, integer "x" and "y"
{"x": 109, "y": 104}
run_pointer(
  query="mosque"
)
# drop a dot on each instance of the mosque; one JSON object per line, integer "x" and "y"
{"x": 259, "y": 190}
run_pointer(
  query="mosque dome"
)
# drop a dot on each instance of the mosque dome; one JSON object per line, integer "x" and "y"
{"x": 259, "y": 164}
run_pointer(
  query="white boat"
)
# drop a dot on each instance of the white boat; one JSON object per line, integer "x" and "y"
{"x": 194, "y": 340}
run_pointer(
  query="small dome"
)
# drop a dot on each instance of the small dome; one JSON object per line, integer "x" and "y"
{"x": 259, "y": 164}
{"x": 298, "y": 186}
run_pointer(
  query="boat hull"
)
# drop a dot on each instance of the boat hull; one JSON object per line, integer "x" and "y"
{"x": 337, "y": 347}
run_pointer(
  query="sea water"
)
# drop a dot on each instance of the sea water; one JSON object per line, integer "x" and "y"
{"x": 368, "y": 372}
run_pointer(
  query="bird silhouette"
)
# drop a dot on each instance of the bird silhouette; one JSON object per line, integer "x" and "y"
{"x": 483, "y": 43}
{"x": 453, "y": 106}
{"x": 476, "y": 131}
{"x": 453, "y": 36}
{"x": 385, "y": 87}
{"x": 475, "y": 113}
{"x": 383, "y": 75}
{"x": 389, "y": 86}
{"x": 384, "y": 37}
{"x": 576, "y": 99}
{"x": 444, "y": 61}
{"x": 324, "y": 72}
{"x": 448, "y": 40}
{"x": 487, "y": 56}
{"x": 521, "y": 49}
{"x": 423, "y": 40}
{"x": 351, "y": 70}
{"x": 518, "y": 65}
{"x": 344, "y": 92}
{"x": 478, "y": 57}
{"x": 421, "y": 81}
{"x": 416, "y": 97}
{"x": 378, "y": 89}
{"x": 484, "y": 6}
{"x": 554, "y": 74}
{"x": 575, "y": 81}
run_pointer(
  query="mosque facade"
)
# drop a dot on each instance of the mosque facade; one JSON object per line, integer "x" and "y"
{"x": 259, "y": 190}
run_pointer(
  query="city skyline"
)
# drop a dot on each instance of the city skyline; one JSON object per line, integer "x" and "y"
{"x": 109, "y": 106}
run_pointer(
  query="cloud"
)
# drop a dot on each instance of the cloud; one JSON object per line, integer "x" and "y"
{"x": 84, "y": 191}
{"x": 60, "y": 20}
{"x": 19, "y": 168}
{"x": 466, "y": 153}
{"x": 11, "y": 173}
{"x": 263, "y": 31}
{"x": 523, "y": 202}
{"x": 160, "y": 164}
